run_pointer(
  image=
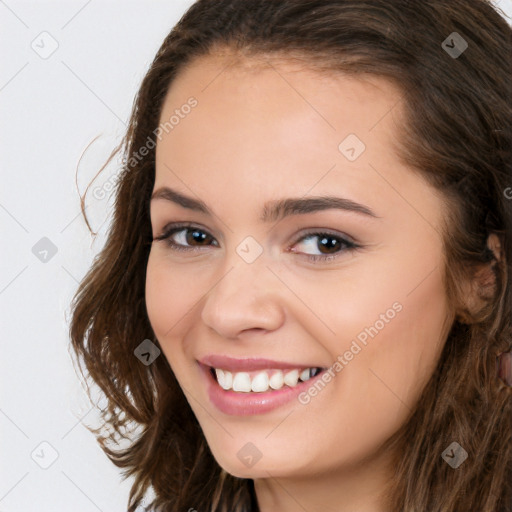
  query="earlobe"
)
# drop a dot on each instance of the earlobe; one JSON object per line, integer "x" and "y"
{"x": 493, "y": 243}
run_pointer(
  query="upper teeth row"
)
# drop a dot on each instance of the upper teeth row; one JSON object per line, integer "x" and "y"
{"x": 241, "y": 381}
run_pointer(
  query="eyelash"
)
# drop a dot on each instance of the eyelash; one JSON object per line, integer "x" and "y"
{"x": 176, "y": 228}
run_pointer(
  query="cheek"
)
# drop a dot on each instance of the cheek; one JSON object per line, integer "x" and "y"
{"x": 392, "y": 368}
{"x": 410, "y": 350}
{"x": 377, "y": 389}
{"x": 170, "y": 296}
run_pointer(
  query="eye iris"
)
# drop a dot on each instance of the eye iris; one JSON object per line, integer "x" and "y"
{"x": 332, "y": 245}
{"x": 194, "y": 235}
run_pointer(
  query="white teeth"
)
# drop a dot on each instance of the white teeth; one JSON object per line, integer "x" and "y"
{"x": 224, "y": 378}
{"x": 277, "y": 380}
{"x": 261, "y": 382}
{"x": 220, "y": 377}
{"x": 228, "y": 380}
{"x": 305, "y": 374}
{"x": 291, "y": 378}
{"x": 242, "y": 382}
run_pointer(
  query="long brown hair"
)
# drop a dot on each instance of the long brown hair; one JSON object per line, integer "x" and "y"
{"x": 457, "y": 133}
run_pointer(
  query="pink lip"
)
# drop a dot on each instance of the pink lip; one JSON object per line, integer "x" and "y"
{"x": 248, "y": 404}
{"x": 250, "y": 364}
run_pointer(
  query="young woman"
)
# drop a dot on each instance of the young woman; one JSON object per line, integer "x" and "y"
{"x": 304, "y": 301}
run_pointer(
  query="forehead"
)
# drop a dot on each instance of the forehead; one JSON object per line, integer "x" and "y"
{"x": 266, "y": 129}
{"x": 268, "y": 84}
{"x": 266, "y": 106}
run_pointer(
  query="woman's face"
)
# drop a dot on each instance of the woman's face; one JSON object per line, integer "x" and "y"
{"x": 268, "y": 270}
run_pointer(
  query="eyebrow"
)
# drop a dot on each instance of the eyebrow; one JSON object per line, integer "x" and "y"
{"x": 273, "y": 210}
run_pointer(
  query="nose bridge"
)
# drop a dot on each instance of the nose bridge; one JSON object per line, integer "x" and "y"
{"x": 244, "y": 296}
{"x": 245, "y": 269}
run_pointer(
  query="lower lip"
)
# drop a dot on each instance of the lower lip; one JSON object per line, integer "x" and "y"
{"x": 248, "y": 404}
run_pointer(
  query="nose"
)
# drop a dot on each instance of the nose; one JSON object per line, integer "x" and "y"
{"x": 245, "y": 297}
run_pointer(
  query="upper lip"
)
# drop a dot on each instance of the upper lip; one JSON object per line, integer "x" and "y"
{"x": 249, "y": 364}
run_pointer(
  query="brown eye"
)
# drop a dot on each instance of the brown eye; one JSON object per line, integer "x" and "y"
{"x": 327, "y": 245}
{"x": 186, "y": 237}
{"x": 195, "y": 236}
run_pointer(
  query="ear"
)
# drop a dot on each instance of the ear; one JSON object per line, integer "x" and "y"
{"x": 493, "y": 242}
{"x": 481, "y": 286}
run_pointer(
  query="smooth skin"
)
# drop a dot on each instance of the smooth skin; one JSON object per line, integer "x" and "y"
{"x": 261, "y": 133}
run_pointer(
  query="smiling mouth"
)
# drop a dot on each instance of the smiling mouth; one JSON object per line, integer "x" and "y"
{"x": 260, "y": 381}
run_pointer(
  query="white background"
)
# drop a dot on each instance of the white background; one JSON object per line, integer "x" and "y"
{"x": 51, "y": 109}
